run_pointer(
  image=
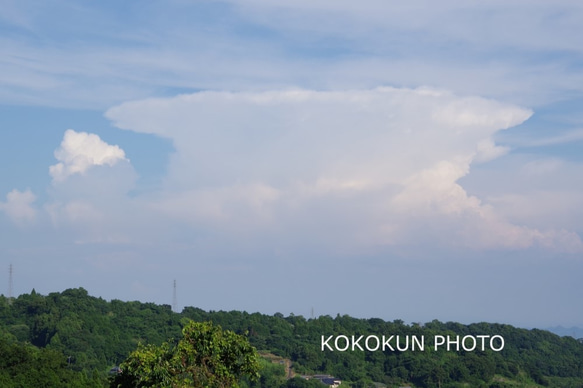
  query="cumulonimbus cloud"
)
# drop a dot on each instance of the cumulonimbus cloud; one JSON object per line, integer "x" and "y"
{"x": 394, "y": 154}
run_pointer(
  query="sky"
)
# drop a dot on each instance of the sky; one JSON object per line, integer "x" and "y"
{"x": 400, "y": 160}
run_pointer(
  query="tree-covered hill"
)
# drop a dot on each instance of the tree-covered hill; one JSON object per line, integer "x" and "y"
{"x": 80, "y": 334}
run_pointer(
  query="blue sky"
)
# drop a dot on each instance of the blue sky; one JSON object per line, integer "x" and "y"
{"x": 380, "y": 159}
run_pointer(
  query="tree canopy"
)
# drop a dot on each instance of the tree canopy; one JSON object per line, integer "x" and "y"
{"x": 71, "y": 339}
{"x": 205, "y": 356}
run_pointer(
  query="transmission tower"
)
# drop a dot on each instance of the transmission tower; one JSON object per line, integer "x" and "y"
{"x": 174, "y": 297}
{"x": 10, "y": 284}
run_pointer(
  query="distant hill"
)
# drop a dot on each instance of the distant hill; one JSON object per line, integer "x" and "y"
{"x": 93, "y": 335}
{"x": 575, "y": 332}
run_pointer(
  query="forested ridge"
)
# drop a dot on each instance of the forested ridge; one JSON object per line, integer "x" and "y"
{"x": 71, "y": 339}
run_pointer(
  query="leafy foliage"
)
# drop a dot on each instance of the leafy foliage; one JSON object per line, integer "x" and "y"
{"x": 24, "y": 365}
{"x": 92, "y": 335}
{"x": 205, "y": 356}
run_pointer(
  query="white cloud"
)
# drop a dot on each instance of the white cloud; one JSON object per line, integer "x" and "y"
{"x": 469, "y": 223}
{"x": 89, "y": 199}
{"x": 18, "y": 207}
{"x": 372, "y": 136}
{"x": 486, "y": 150}
{"x": 80, "y": 151}
{"x": 372, "y": 166}
{"x": 225, "y": 206}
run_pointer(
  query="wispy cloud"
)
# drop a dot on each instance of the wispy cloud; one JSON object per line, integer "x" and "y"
{"x": 570, "y": 136}
{"x": 255, "y": 45}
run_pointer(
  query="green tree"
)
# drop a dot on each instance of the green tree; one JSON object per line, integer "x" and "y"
{"x": 205, "y": 356}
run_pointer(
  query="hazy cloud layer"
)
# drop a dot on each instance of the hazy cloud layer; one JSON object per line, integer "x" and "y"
{"x": 19, "y": 207}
